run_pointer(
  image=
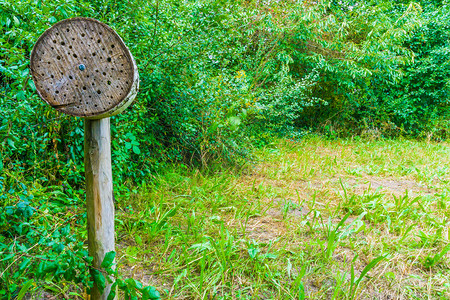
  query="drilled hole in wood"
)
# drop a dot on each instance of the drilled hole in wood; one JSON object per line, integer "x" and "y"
{"x": 56, "y": 92}
{"x": 83, "y": 35}
{"x": 99, "y": 92}
{"x": 63, "y": 44}
{"x": 84, "y": 88}
{"x": 58, "y": 57}
{"x": 52, "y": 76}
{"x": 98, "y": 41}
{"x": 70, "y": 77}
{"x": 94, "y": 54}
{"x": 67, "y": 29}
{"x": 112, "y": 46}
{"x": 74, "y": 55}
{"x": 108, "y": 59}
{"x": 54, "y": 41}
{"x": 104, "y": 73}
{"x": 109, "y": 82}
{"x": 65, "y": 95}
{"x": 70, "y": 46}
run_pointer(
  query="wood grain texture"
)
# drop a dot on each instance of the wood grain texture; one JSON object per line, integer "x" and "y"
{"x": 99, "y": 194}
{"x": 81, "y": 67}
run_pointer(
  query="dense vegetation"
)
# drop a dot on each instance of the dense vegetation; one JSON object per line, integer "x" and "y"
{"x": 217, "y": 79}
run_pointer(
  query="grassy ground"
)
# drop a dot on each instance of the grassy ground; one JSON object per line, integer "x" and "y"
{"x": 317, "y": 219}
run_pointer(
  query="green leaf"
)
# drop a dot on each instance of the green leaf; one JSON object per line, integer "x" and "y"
{"x": 108, "y": 260}
{"x": 369, "y": 267}
{"x": 234, "y": 122}
{"x": 253, "y": 252}
{"x": 21, "y": 95}
{"x": 16, "y": 21}
{"x": 25, "y": 289}
{"x": 24, "y": 264}
{"x": 136, "y": 150}
{"x": 99, "y": 279}
{"x": 149, "y": 292}
{"x": 134, "y": 284}
{"x": 301, "y": 291}
{"x": 112, "y": 293}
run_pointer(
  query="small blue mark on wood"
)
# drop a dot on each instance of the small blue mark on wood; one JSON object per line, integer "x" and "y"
{"x": 81, "y": 67}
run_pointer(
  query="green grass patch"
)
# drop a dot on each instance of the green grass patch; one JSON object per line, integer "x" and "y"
{"x": 315, "y": 219}
{"x": 318, "y": 219}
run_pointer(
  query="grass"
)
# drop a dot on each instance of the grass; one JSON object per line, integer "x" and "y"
{"x": 317, "y": 219}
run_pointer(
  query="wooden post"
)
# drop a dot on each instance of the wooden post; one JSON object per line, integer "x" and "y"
{"x": 82, "y": 67}
{"x": 99, "y": 194}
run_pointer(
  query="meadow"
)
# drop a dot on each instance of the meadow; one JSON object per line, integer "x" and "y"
{"x": 315, "y": 219}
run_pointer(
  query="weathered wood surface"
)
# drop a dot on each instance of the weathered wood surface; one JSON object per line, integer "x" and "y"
{"x": 99, "y": 193}
{"x": 81, "y": 67}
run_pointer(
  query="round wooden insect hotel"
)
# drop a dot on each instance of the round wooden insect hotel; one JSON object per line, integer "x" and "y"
{"x": 81, "y": 67}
